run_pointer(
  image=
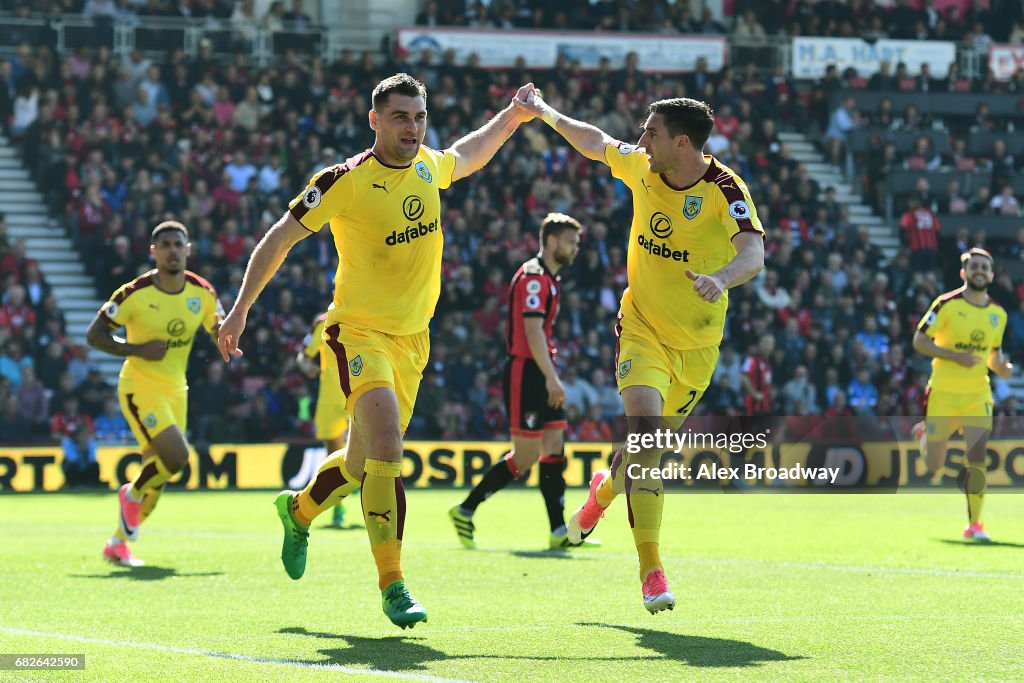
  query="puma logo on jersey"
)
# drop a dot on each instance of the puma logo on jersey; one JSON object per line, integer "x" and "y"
{"x": 385, "y": 517}
{"x": 375, "y": 186}
{"x": 644, "y": 488}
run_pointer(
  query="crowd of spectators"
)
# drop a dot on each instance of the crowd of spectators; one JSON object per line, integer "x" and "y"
{"x": 973, "y": 21}
{"x": 118, "y": 147}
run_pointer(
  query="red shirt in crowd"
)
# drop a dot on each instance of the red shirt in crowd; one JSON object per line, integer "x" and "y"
{"x": 922, "y": 228}
{"x": 759, "y": 372}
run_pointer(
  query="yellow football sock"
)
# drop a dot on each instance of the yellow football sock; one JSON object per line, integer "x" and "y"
{"x": 975, "y": 489}
{"x": 325, "y": 490}
{"x": 646, "y": 500}
{"x": 606, "y": 492}
{"x": 388, "y": 556}
{"x": 154, "y": 473}
{"x": 149, "y": 502}
{"x": 650, "y": 558}
{"x": 383, "y": 500}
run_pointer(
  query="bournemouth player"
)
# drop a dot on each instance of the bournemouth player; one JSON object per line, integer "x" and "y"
{"x": 534, "y": 395}
{"x": 384, "y": 209}
{"x": 161, "y": 312}
{"x": 692, "y": 220}
{"x": 963, "y": 334}
{"x": 330, "y": 419}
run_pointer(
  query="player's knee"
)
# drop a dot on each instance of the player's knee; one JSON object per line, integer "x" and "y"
{"x": 385, "y": 445}
{"x": 174, "y": 459}
{"x": 524, "y": 460}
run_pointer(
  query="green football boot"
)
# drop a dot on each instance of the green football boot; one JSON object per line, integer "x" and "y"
{"x": 296, "y": 537}
{"x": 401, "y": 608}
{"x": 464, "y": 527}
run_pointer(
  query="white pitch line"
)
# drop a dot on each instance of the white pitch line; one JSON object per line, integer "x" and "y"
{"x": 230, "y": 655}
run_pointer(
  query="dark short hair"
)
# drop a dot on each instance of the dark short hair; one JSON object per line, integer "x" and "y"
{"x": 168, "y": 226}
{"x": 975, "y": 251}
{"x": 399, "y": 84}
{"x": 554, "y": 224}
{"x": 685, "y": 116}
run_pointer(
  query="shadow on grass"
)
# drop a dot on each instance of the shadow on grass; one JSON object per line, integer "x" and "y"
{"x": 553, "y": 554}
{"x": 701, "y": 651}
{"x": 146, "y": 573}
{"x": 406, "y": 653}
{"x": 389, "y": 653}
{"x": 979, "y": 544}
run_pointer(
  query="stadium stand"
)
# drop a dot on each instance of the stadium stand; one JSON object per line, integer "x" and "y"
{"x": 221, "y": 140}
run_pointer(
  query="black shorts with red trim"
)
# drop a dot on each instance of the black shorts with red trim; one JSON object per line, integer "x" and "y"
{"x": 526, "y": 399}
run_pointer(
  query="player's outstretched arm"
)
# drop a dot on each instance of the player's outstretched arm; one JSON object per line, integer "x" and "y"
{"x": 590, "y": 141}
{"x": 1000, "y": 364}
{"x": 473, "y": 151}
{"x": 748, "y": 262}
{"x": 266, "y": 258}
{"x": 100, "y": 336}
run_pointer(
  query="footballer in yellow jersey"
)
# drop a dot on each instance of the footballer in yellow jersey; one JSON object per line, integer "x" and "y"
{"x": 330, "y": 417}
{"x": 161, "y": 311}
{"x": 384, "y": 211}
{"x": 963, "y": 334}
{"x": 694, "y": 234}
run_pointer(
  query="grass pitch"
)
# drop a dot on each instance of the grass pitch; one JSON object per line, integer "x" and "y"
{"x": 779, "y": 587}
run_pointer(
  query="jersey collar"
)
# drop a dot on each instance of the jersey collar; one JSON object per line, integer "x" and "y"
{"x": 709, "y": 176}
{"x": 385, "y": 165}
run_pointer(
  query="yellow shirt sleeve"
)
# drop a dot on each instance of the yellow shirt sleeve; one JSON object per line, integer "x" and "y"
{"x": 736, "y": 210}
{"x": 626, "y": 162}
{"x": 328, "y": 194}
{"x": 117, "y": 314}
{"x": 442, "y": 164}
{"x": 1000, "y": 329}
{"x": 934, "y": 320}
{"x": 213, "y": 314}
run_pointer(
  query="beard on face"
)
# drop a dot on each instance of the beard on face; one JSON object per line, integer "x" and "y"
{"x": 975, "y": 287}
{"x": 564, "y": 258}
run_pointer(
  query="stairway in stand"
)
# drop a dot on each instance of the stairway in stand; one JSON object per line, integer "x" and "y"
{"x": 803, "y": 150}
{"x": 47, "y": 242}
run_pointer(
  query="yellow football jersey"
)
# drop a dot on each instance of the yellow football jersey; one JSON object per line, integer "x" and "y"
{"x": 386, "y": 222}
{"x": 149, "y": 313}
{"x": 314, "y": 340}
{"x": 674, "y": 229}
{"x": 958, "y": 325}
